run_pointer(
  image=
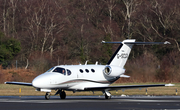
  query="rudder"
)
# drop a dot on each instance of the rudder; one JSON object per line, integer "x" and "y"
{"x": 121, "y": 55}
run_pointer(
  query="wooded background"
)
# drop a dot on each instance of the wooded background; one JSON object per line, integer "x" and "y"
{"x": 40, "y": 34}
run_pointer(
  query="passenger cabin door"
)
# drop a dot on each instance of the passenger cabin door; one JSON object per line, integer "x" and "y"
{"x": 80, "y": 73}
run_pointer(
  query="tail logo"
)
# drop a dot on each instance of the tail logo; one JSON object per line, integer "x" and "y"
{"x": 123, "y": 55}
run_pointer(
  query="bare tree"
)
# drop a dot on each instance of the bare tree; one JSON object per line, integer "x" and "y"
{"x": 111, "y": 4}
{"x": 131, "y": 6}
{"x": 165, "y": 11}
{"x": 14, "y": 8}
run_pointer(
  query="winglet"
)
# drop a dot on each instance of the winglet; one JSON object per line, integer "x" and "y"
{"x": 103, "y": 41}
{"x": 166, "y": 42}
{"x": 169, "y": 84}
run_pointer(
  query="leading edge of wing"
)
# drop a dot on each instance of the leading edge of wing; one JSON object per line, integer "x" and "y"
{"x": 125, "y": 87}
{"x": 19, "y": 83}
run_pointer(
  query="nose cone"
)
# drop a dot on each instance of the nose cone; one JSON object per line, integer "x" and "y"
{"x": 37, "y": 82}
{"x": 41, "y": 81}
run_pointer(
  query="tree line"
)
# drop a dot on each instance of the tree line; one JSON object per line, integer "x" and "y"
{"x": 52, "y": 32}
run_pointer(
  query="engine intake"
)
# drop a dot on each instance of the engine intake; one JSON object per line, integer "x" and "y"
{"x": 113, "y": 71}
{"x": 107, "y": 70}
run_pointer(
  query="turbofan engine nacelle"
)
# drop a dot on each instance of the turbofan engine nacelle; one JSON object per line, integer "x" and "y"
{"x": 113, "y": 71}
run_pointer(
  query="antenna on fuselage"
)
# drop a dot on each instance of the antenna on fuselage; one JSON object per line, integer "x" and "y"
{"x": 86, "y": 62}
{"x": 96, "y": 63}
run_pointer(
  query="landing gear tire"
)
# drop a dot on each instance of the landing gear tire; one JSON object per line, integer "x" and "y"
{"x": 107, "y": 97}
{"x": 63, "y": 95}
{"x": 47, "y": 96}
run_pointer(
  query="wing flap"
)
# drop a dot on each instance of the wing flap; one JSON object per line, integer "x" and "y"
{"x": 19, "y": 83}
{"x": 125, "y": 87}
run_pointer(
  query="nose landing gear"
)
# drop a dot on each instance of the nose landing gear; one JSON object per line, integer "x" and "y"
{"x": 47, "y": 96}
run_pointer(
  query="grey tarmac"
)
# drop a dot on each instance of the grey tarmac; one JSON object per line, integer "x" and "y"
{"x": 89, "y": 103}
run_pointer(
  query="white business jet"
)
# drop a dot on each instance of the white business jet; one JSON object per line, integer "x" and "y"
{"x": 89, "y": 77}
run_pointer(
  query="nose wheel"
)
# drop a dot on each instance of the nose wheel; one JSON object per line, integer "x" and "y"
{"x": 47, "y": 96}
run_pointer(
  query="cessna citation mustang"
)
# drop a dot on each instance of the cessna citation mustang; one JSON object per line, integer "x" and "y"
{"x": 89, "y": 77}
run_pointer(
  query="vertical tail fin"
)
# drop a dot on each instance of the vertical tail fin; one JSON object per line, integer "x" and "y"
{"x": 121, "y": 55}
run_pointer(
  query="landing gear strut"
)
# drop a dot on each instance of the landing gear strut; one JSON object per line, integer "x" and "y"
{"x": 107, "y": 94}
{"x": 47, "y": 96}
{"x": 61, "y": 93}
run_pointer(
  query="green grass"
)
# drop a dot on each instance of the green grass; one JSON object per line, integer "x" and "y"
{"x": 13, "y": 90}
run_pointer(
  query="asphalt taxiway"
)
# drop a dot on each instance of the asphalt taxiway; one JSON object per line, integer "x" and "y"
{"x": 89, "y": 102}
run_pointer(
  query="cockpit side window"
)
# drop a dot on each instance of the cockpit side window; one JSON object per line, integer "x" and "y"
{"x": 68, "y": 72}
{"x": 60, "y": 70}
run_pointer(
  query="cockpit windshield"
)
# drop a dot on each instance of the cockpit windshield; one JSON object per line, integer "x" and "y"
{"x": 60, "y": 70}
{"x": 50, "y": 69}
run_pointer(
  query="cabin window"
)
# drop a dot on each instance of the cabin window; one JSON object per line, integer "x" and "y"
{"x": 60, "y": 70}
{"x": 93, "y": 70}
{"x": 68, "y": 72}
{"x": 81, "y": 70}
{"x": 87, "y": 70}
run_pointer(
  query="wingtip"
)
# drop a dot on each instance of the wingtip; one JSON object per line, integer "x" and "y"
{"x": 170, "y": 84}
{"x": 166, "y": 42}
{"x": 103, "y": 41}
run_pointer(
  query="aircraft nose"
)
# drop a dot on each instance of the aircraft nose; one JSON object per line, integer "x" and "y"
{"x": 40, "y": 81}
{"x": 37, "y": 82}
{"x": 45, "y": 80}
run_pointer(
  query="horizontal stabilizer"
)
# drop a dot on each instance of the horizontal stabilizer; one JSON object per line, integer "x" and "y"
{"x": 19, "y": 83}
{"x": 137, "y": 43}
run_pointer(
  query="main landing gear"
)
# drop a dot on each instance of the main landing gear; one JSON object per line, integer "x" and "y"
{"x": 107, "y": 94}
{"x": 61, "y": 93}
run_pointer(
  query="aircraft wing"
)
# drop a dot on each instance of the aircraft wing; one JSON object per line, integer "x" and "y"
{"x": 109, "y": 88}
{"x": 19, "y": 83}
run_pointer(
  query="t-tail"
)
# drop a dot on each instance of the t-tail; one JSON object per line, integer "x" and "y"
{"x": 121, "y": 55}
